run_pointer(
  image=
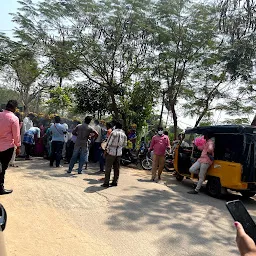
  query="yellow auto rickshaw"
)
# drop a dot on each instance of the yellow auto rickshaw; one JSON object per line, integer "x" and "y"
{"x": 234, "y": 165}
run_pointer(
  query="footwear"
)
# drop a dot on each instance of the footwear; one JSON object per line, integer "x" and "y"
{"x": 68, "y": 171}
{"x": 60, "y": 166}
{"x": 79, "y": 172}
{"x": 159, "y": 177}
{"x": 194, "y": 192}
{"x": 113, "y": 184}
{"x": 4, "y": 191}
{"x": 105, "y": 185}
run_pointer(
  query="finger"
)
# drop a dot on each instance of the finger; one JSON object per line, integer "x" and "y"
{"x": 239, "y": 228}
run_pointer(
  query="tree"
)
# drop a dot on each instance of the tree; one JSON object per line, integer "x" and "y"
{"x": 60, "y": 99}
{"x": 7, "y": 94}
{"x": 209, "y": 83}
{"x": 183, "y": 33}
{"x": 91, "y": 99}
{"x": 21, "y": 67}
{"x": 110, "y": 41}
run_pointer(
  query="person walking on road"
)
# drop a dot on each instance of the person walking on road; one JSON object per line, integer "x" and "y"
{"x": 82, "y": 131}
{"x": 9, "y": 138}
{"x": 58, "y": 131}
{"x": 159, "y": 144}
{"x": 113, "y": 152}
{"x": 204, "y": 162}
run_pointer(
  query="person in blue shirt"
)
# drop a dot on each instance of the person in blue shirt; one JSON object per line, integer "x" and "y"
{"x": 58, "y": 131}
{"x": 29, "y": 140}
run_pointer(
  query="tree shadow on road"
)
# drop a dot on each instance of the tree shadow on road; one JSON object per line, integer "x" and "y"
{"x": 185, "y": 220}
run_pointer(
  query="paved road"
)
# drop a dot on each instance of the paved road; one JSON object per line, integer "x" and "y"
{"x": 53, "y": 213}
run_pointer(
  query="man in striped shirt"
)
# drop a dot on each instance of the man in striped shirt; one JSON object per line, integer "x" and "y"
{"x": 115, "y": 143}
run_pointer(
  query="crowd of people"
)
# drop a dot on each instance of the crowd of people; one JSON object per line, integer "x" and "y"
{"x": 18, "y": 138}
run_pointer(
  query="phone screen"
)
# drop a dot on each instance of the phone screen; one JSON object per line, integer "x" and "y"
{"x": 240, "y": 214}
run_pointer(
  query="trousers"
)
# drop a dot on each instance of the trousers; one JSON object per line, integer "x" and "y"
{"x": 56, "y": 152}
{"x": 5, "y": 158}
{"x": 201, "y": 170}
{"x": 158, "y": 163}
{"x": 115, "y": 162}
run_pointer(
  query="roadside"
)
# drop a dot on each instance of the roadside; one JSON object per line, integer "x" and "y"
{"x": 54, "y": 213}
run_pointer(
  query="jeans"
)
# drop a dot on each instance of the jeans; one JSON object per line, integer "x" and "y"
{"x": 56, "y": 152}
{"x": 78, "y": 151}
{"x": 5, "y": 158}
{"x": 202, "y": 169}
{"x": 102, "y": 160}
{"x": 115, "y": 162}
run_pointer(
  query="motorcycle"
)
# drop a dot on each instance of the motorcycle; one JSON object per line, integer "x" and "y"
{"x": 168, "y": 166}
{"x": 128, "y": 157}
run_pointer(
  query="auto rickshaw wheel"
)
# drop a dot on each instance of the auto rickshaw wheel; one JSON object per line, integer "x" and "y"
{"x": 179, "y": 177}
{"x": 247, "y": 194}
{"x": 213, "y": 187}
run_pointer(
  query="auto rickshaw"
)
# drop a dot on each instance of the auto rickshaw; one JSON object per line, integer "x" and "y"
{"x": 234, "y": 165}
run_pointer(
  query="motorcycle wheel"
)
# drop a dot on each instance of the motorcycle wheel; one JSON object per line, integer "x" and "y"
{"x": 147, "y": 164}
{"x": 169, "y": 167}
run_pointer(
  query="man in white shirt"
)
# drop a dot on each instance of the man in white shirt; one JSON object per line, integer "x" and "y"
{"x": 115, "y": 143}
{"x": 26, "y": 125}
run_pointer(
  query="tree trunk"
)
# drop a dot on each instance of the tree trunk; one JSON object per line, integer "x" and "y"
{"x": 201, "y": 117}
{"x": 114, "y": 105}
{"x": 254, "y": 121}
{"x": 61, "y": 80}
{"x": 162, "y": 110}
{"x": 175, "y": 121}
{"x": 167, "y": 119}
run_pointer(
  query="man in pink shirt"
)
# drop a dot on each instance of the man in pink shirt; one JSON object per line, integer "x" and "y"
{"x": 159, "y": 144}
{"x": 9, "y": 138}
{"x": 204, "y": 162}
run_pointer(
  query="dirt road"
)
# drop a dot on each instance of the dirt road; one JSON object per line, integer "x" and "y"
{"x": 53, "y": 213}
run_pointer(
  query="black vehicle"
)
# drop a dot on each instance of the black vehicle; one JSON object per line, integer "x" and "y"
{"x": 130, "y": 157}
{"x": 234, "y": 165}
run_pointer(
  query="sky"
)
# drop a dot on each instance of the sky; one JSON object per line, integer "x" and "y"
{"x": 6, "y": 25}
{"x": 6, "y": 7}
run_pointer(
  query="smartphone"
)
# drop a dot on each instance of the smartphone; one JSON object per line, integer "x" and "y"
{"x": 240, "y": 214}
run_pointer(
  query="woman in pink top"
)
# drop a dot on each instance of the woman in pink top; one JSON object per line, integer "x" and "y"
{"x": 204, "y": 162}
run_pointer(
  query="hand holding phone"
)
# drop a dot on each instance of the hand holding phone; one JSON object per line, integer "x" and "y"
{"x": 245, "y": 244}
{"x": 241, "y": 215}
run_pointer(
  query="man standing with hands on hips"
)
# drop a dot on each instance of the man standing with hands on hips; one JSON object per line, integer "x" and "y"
{"x": 9, "y": 138}
{"x": 159, "y": 144}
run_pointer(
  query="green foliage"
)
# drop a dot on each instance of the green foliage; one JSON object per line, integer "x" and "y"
{"x": 237, "y": 121}
{"x": 124, "y": 54}
{"x": 8, "y": 94}
{"x": 91, "y": 99}
{"x": 60, "y": 100}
